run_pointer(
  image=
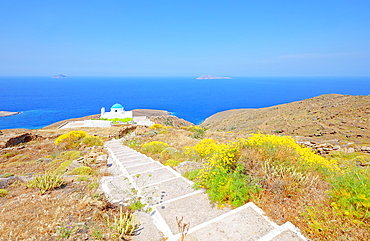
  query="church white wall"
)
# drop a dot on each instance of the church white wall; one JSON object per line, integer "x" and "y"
{"x": 118, "y": 114}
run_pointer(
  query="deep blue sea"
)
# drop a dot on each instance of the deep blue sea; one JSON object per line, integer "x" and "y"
{"x": 43, "y": 100}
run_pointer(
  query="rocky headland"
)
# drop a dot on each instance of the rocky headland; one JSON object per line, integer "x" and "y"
{"x": 344, "y": 118}
{"x": 59, "y": 76}
{"x": 212, "y": 77}
{"x": 8, "y": 113}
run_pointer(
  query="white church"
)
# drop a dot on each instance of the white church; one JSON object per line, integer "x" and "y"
{"x": 116, "y": 111}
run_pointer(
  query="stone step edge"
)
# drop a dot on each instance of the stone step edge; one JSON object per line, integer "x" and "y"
{"x": 277, "y": 231}
{"x": 209, "y": 222}
{"x": 130, "y": 178}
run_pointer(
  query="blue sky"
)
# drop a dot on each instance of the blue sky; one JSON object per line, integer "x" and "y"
{"x": 185, "y": 38}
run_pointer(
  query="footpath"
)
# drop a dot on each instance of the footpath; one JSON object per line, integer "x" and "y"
{"x": 169, "y": 195}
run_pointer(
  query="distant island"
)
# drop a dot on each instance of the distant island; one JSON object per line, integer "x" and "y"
{"x": 59, "y": 76}
{"x": 212, "y": 77}
{"x": 8, "y": 113}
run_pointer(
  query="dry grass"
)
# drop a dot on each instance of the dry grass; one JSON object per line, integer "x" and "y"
{"x": 27, "y": 215}
{"x": 316, "y": 118}
{"x": 22, "y": 163}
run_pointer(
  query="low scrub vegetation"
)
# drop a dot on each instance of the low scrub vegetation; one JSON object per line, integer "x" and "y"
{"x": 45, "y": 182}
{"x": 3, "y": 192}
{"x": 70, "y": 140}
{"x": 326, "y": 197}
{"x": 84, "y": 171}
{"x": 154, "y": 147}
{"x": 92, "y": 141}
{"x": 125, "y": 225}
{"x": 73, "y": 139}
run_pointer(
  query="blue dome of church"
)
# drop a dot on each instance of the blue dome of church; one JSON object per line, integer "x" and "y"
{"x": 117, "y": 106}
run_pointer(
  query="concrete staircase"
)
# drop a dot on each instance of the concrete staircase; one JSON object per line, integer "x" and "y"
{"x": 170, "y": 195}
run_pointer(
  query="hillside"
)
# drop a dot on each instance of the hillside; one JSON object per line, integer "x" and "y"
{"x": 289, "y": 182}
{"x": 325, "y": 117}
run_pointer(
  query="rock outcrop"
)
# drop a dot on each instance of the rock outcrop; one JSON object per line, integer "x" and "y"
{"x": 23, "y": 138}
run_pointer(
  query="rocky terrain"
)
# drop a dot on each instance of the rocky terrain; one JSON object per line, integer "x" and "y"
{"x": 340, "y": 118}
{"x": 334, "y": 126}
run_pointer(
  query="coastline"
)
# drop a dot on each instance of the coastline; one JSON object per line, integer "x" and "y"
{"x": 8, "y": 113}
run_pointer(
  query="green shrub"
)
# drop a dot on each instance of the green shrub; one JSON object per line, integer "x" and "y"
{"x": 63, "y": 166}
{"x": 84, "y": 170}
{"x": 8, "y": 174}
{"x": 3, "y": 192}
{"x": 70, "y": 155}
{"x": 118, "y": 120}
{"x": 154, "y": 147}
{"x": 230, "y": 187}
{"x": 93, "y": 185}
{"x": 92, "y": 141}
{"x": 169, "y": 153}
{"x": 45, "y": 182}
{"x": 82, "y": 178}
{"x": 191, "y": 175}
{"x": 55, "y": 162}
{"x": 171, "y": 163}
{"x": 7, "y": 155}
{"x": 198, "y": 132}
{"x": 351, "y": 192}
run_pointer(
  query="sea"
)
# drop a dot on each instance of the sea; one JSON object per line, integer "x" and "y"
{"x": 43, "y": 100}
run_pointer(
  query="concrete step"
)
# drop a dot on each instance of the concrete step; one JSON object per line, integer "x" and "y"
{"x": 143, "y": 167}
{"x": 195, "y": 209}
{"x": 153, "y": 176}
{"x": 171, "y": 196}
{"x": 240, "y": 224}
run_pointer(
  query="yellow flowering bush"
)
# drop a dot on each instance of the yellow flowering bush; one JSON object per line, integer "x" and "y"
{"x": 70, "y": 140}
{"x": 265, "y": 166}
{"x": 154, "y": 147}
{"x": 203, "y": 148}
{"x": 306, "y": 156}
{"x": 222, "y": 157}
{"x": 156, "y": 126}
{"x": 349, "y": 186}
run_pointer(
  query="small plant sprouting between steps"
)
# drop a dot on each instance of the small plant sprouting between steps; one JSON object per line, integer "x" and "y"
{"x": 46, "y": 182}
{"x": 183, "y": 227}
{"x": 125, "y": 225}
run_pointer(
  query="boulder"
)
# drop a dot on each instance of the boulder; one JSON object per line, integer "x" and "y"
{"x": 102, "y": 158}
{"x": 20, "y": 139}
{"x": 44, "y": 160}
{"x": 5, "y": 182}
{"x": 73, "y": 165}
{"x": 2, "y": 144}
{"x": 351, "y": 150}
{"x": 336, "y": 147}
